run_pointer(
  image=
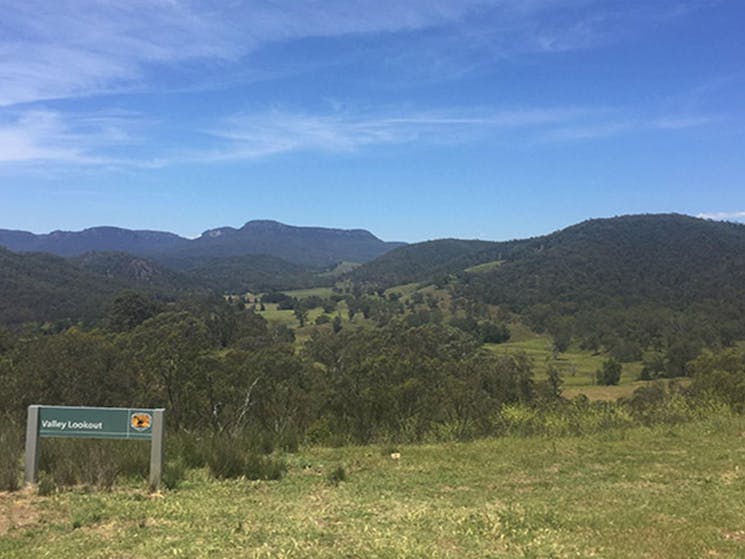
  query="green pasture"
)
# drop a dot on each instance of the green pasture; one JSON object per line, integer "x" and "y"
{"x": 313, "y": 292}
{"x": 577, "y": 366}
{"x": 668, "y": 492}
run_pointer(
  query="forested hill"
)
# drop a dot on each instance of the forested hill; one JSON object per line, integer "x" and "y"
{"x": 42, "y": 287}
{"x": 643, "y": 256}
{"x": 256, "y": 272}
{"x": 423, "y": 261}
{"x": 138, "y": 272}
{"x": 309, "y": 246}
{"x": 664, "y": 260}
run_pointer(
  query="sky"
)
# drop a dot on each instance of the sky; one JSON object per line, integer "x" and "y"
{"x": 414, "y": 119}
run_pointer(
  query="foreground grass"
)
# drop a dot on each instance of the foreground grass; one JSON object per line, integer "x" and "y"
{"x": 668, "y": 492}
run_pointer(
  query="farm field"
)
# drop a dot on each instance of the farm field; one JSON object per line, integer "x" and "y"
{"x": 656, "y": 493}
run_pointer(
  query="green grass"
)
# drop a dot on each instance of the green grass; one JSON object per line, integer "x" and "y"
{"x": 577, "y": 366}
{"x": 653, "y": 493}
{"x": 315, "y": 291}
{"x": 341, "y": 269}
{"x": 485, "y": 267}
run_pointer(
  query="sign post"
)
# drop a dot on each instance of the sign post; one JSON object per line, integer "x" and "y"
{"x": 95, "y": 423}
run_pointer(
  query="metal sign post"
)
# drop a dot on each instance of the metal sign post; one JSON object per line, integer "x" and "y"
{"x": 95, "y": 423}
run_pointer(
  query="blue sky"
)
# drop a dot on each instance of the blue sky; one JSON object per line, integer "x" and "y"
{"x": 413, "y": 119}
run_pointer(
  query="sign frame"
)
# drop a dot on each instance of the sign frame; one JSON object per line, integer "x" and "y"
{"x": 38, "y": 427}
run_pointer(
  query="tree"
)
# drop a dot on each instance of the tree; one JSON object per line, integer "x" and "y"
{"x": 130, "y": 309}
{"x": 610, "y": 374}
{"x": 301, "y": 313}
{"x": 555, "y": 382}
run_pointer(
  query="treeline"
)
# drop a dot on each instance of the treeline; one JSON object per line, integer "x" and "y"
{"x": 223, "y": 368}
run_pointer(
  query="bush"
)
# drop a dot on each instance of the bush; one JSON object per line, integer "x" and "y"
{"x": 226, "y": 460}
{"x": 337, "y": 475}
{"x": 46, "y": 485}
{"x": 193, "y": 450}
{"x": 233, "y": 458}
{"x": 174, "y": 473}
{"x": 610, "y": 374}
{"x": 11, "y": 450}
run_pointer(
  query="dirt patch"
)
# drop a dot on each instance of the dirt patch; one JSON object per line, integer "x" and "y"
{"x": 16, "y": 511}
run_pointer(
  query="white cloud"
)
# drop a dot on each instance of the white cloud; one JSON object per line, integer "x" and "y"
{"x": 44, "y": 136}
{"x": 723, "y": 216}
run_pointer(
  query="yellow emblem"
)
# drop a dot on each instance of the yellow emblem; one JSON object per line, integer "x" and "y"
{"x": 141, "y": 421}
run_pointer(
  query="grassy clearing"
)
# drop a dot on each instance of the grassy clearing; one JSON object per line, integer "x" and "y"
{"x": 485, "y": 267}
{"x": 314, "y": 292}
{"x": 577, "y": 366}
{"x": 655, "y": 493}
{"x": 341, "y": 269}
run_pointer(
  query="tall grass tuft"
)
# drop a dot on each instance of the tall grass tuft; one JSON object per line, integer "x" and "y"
{"x": 11, "y": 451}
{"x": 234, "y": 457}
{"x": 95, "y": 463}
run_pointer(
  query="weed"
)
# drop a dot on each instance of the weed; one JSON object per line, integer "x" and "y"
{"x": 46, "y": 486}
{"x": 337, "y": 475}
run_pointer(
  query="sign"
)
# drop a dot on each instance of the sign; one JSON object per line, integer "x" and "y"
{"x": 95, "y": 423}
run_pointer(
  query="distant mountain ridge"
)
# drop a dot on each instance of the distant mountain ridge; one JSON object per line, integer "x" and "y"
{"x": 94, "y": 239}
{"x": 309, "y": 246}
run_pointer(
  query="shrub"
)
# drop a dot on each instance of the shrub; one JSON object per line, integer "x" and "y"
{"x": 610, "y": 374}
{"x": 226, "y": 460}
{"x": 337, "y": 475}
{"x": 46, "y": 485}
{"x": 173, "y": 473}
{"x": 264, "y": 467}
{"x": 11, "y": 449}
{"x": 233, "y": 458}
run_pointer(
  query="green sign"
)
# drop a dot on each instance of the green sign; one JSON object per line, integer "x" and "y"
{"x": 96, "y": 423}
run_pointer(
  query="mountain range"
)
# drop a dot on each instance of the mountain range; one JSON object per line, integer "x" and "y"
{"x": 308, "y": 246}
{"x": 663, "y": 261}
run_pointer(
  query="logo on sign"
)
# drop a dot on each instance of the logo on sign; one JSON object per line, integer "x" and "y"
{"x": 141, "y": 421}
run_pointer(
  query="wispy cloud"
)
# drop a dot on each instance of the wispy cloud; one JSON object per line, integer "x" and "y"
{"x": 45, "y": 136}
{"x": 78, "y": 48}
{"x": 723, "y": 216}
{"x": 122, "y": 139}
{"x": 252, "y": 136}
{"x": 266, "y": 133}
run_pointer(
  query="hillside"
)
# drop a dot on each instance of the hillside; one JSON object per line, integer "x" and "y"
{"x": 667, "y": 260}
{"x": 423, "y": 261}
{"x": 42, "y": 287}
{"x": 671, "y": 260}
{"x": 309, "y": 246}
{"x": 138, "y": 272}
{"x": 255, "y": 272}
